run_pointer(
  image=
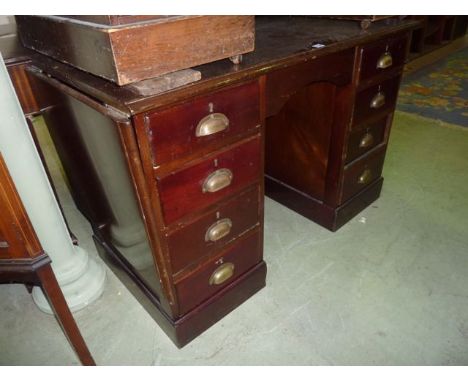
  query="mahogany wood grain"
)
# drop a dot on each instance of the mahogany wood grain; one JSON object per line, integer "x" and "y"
{"x": 193, "y": 290}
{"x": 282, "y": 84}
{"x": 21, "y": 83}
{"x": 181, "y": 192}
{"x": 188, "y": 244}
{"x": 344, "y": 104}
{"x": 172, "y": 131}
{"x": 297, "y": 139}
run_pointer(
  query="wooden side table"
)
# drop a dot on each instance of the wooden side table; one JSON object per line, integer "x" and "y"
{"x": 22, "y": 260}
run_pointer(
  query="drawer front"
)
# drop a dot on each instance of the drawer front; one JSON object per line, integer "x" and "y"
{"x": 376, "y": 100}
{"x": 204, "y": 122}
{"x": 365, "y": 139}
{"x": 359, "y": 175}
{"x": 383, "y": 56}
{"x": 218, "y": 273}
{"x": 207, "y": 235}
{"x": 200, "y": 185}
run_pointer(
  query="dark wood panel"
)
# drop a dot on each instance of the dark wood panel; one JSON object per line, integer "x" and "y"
{"x": 297, "y": 139}
{"x": 197, "y": 288}
{"x": 181, "y": 192}
{"x": 21, "y": 83}
{"x": 282, "y": 84}
{"x": 189, "y": 243}
{"x": 32, "y": 94}
{"x": 172, "y": 132}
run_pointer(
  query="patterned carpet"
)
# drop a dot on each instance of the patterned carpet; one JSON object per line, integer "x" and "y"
{"x": 438, "y": 91}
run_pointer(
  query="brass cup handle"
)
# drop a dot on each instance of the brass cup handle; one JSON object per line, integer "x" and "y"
{"x": 211, "y": 124}
{"x": 378, "y": 101}
{"x": 366, "y": 141}
{"x": 365, "y": 177}
{"x": 222, "y": 273}
{"x": 385, "y": 61}
{"x": 218, "y": 230}
{"x": 217, "y": 180}
{"x": 3, "y": 244}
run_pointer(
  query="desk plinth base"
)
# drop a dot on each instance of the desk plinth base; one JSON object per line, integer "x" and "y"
{"x": 186, "y": 328}
{"x": 327, "y": 216}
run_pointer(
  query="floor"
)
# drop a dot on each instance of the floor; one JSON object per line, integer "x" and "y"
{"x": 389, "y": 288}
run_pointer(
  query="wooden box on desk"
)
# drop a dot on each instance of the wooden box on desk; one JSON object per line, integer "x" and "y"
{"x": 126, "y": 49}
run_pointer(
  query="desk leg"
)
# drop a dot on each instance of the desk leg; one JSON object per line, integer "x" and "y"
{"x": 60, "y": 308}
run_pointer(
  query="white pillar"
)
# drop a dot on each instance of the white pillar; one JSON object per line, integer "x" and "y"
{"x": 80, "y": 277}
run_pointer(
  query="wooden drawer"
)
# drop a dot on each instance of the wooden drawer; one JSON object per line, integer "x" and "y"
{"x": 204, "y": 122}
{"x": 363, "y": 172}
{"x": 209, "y": 279}
{"x": 207, "y": 182}
{"x": 208, "y": 234}
{"x": 376, "y": 100}
{"x": 383, "y": 56}
{"x": 365, "y": 139}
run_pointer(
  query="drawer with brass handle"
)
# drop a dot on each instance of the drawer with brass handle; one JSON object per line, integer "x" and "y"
{"x": 361, "y": 141}
{"x": 204, "y": 123}
{"x": 219, "y": 272}
{"x": 209, "y": 233}
{"x": 362, "y": 172}
{"x": 199, "y": 185}
{"x": 383, "y": 56}
{"x": 375, "y": 100}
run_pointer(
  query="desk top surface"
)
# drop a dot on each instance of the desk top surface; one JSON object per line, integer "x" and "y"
{"x": 280, "y": 41}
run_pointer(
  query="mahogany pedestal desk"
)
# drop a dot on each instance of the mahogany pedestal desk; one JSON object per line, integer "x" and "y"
{"x": 173, "y": 183}
{"x": 22, "y": 260}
